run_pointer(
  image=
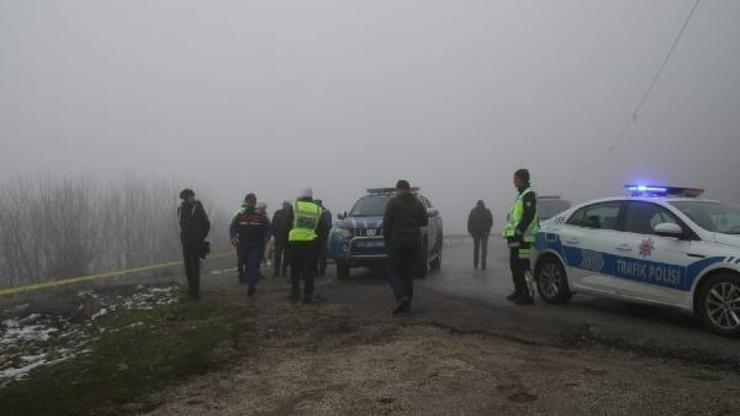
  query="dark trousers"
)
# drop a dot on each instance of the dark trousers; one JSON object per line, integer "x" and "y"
{"x": 241, "y": 265}
{"x": 323, "y": 252}
{"x": 403, "y": 259}
{"x": 480, "y": 249}
{"x": 303, "y": 258}
{"x": 252, "y": 256}
{"x": 191, "y": 258}
{"x": 521, "y": 274}
{"x": 281, "y": 259}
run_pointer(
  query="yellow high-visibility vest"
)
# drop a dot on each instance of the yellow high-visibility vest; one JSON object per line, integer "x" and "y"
{"x": 306, "y": 216}
{"x": 517, "y": 212}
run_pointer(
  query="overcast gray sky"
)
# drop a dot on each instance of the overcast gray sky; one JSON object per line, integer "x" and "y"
{"x": 272, "y": 96}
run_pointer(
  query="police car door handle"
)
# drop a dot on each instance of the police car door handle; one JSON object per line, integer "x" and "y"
{"x": 624, "y": 247}
{"x": 573, "y": 241}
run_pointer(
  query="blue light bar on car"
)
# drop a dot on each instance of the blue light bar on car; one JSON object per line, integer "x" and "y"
{"x": 662, "y": 191}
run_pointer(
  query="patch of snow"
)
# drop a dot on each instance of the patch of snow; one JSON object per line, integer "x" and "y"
{"x": 98, "y": 314}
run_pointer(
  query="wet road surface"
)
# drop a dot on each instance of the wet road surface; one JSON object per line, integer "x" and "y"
{"x": 469, "y": 300}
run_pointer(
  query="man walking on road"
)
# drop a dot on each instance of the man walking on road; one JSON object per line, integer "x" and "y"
{"x": 281, "y": 225}
{"x": 480, "y": 222}
{"x": 194, "y": 228}
{"x": 323, "y": 247}
{"x": 308, "y": 229}
{"x": 403, "y": 218}
{"x": 249, "y": 231}
{"x": 520, "y": 235}
{"x": 241, "y": 266}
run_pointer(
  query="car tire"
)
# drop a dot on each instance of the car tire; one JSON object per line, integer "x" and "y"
{"x": 719, "y": 304}
{"x": 342, "y": 270}
{"x": 552, "y": 281}
{"x": 436, "y": 264}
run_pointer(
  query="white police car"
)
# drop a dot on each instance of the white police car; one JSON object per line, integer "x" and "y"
{"x": 658, "y": 245}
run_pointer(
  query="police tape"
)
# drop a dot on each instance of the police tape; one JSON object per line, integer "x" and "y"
{"x": 74, "y": 280}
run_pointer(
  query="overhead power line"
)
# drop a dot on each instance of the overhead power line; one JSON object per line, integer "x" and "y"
{"x": 650, "y": 88}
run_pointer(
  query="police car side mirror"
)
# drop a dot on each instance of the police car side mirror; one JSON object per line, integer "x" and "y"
{"x": 432, "y": 212}
{"x": 669, "y": 229}
{"x": 342, "y": 216}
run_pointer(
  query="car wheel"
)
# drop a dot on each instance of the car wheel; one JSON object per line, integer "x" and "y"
{"x": 436, "y": 264}
{"x": 719, "y": 304}
{"x": 342, "y": 270}
{"x": 552, "y": 282}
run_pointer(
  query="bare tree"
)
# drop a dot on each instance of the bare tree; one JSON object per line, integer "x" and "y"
{"x": 64, "y": 227}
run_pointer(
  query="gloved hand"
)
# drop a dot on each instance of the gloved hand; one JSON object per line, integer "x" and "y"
{"x": 235, "y": 241}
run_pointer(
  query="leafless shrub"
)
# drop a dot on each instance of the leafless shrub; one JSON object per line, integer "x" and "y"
{"x": 53, "y": 228}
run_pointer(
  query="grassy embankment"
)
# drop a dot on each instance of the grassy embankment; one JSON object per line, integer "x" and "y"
{"x": 137, "y": 352}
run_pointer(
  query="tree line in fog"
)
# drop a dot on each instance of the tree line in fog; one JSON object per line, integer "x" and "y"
{"x": 62, "y": 227}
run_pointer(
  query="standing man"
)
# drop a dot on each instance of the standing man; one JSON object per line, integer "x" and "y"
{"x": 261, "y": 208}
{"x": 520, "y": 235}
{"x": 194, "y": 228}
{"x": 249, "y": 232}
{"x": 480, "y": 222}
{"x": 403, "y": 218}
{"x": 281, "y": 225}
{"x": 323, "y": 245}
{"x": 241, "y": 265}
{"x": 308, "y": 229}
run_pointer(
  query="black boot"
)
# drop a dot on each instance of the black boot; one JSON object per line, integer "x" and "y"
{"x": 513, "y": 296}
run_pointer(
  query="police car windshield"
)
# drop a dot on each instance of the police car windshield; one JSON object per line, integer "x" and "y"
{"x": 712, "y": 216}
{"x": 369, "y": 206}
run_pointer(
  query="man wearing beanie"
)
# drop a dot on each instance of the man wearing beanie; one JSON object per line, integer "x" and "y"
{"x": 308, "y": 229}
{"x": 194, "y": 228}
{"x": 520, "y": 234}
{"x": 403, "y": 218}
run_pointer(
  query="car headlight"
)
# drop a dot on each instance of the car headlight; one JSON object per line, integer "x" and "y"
{"x": 343, "y": 232}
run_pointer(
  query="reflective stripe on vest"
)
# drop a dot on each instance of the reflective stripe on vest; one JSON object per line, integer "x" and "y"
{"x": 306, "y": 217}
{"x": 517, "y": 212}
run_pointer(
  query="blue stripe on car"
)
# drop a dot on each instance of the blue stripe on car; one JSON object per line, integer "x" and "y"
{"x": 629, "y": 268}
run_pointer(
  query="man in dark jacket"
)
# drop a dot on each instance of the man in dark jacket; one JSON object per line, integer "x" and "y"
{"x": 241, "y": 266}
{"x": 281, "y": 224}
{"x": 323, "y": 245}
{"x": 249, "y": 230}
{"x": 194, "y": 228}
{"x": 480, "y": 222}
{"x": 403, "y": 218}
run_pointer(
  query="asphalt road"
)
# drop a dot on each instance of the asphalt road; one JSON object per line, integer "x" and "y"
{"x": 468, "y": 300}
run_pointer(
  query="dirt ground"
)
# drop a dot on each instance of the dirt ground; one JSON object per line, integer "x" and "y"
{"x": 347, "y": 355}
{"x": 341, "y": 359}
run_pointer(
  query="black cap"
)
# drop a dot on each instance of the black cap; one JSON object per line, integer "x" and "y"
{"x": 250, "y": 196}
{"x": 186, "y": 193}
{"x": 522, "y": 174}
{"x": 403, "y": 185}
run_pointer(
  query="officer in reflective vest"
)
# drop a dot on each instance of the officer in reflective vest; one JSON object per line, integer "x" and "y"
{"x": 307, "y": 231}
{"x": 520, "y": 235}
